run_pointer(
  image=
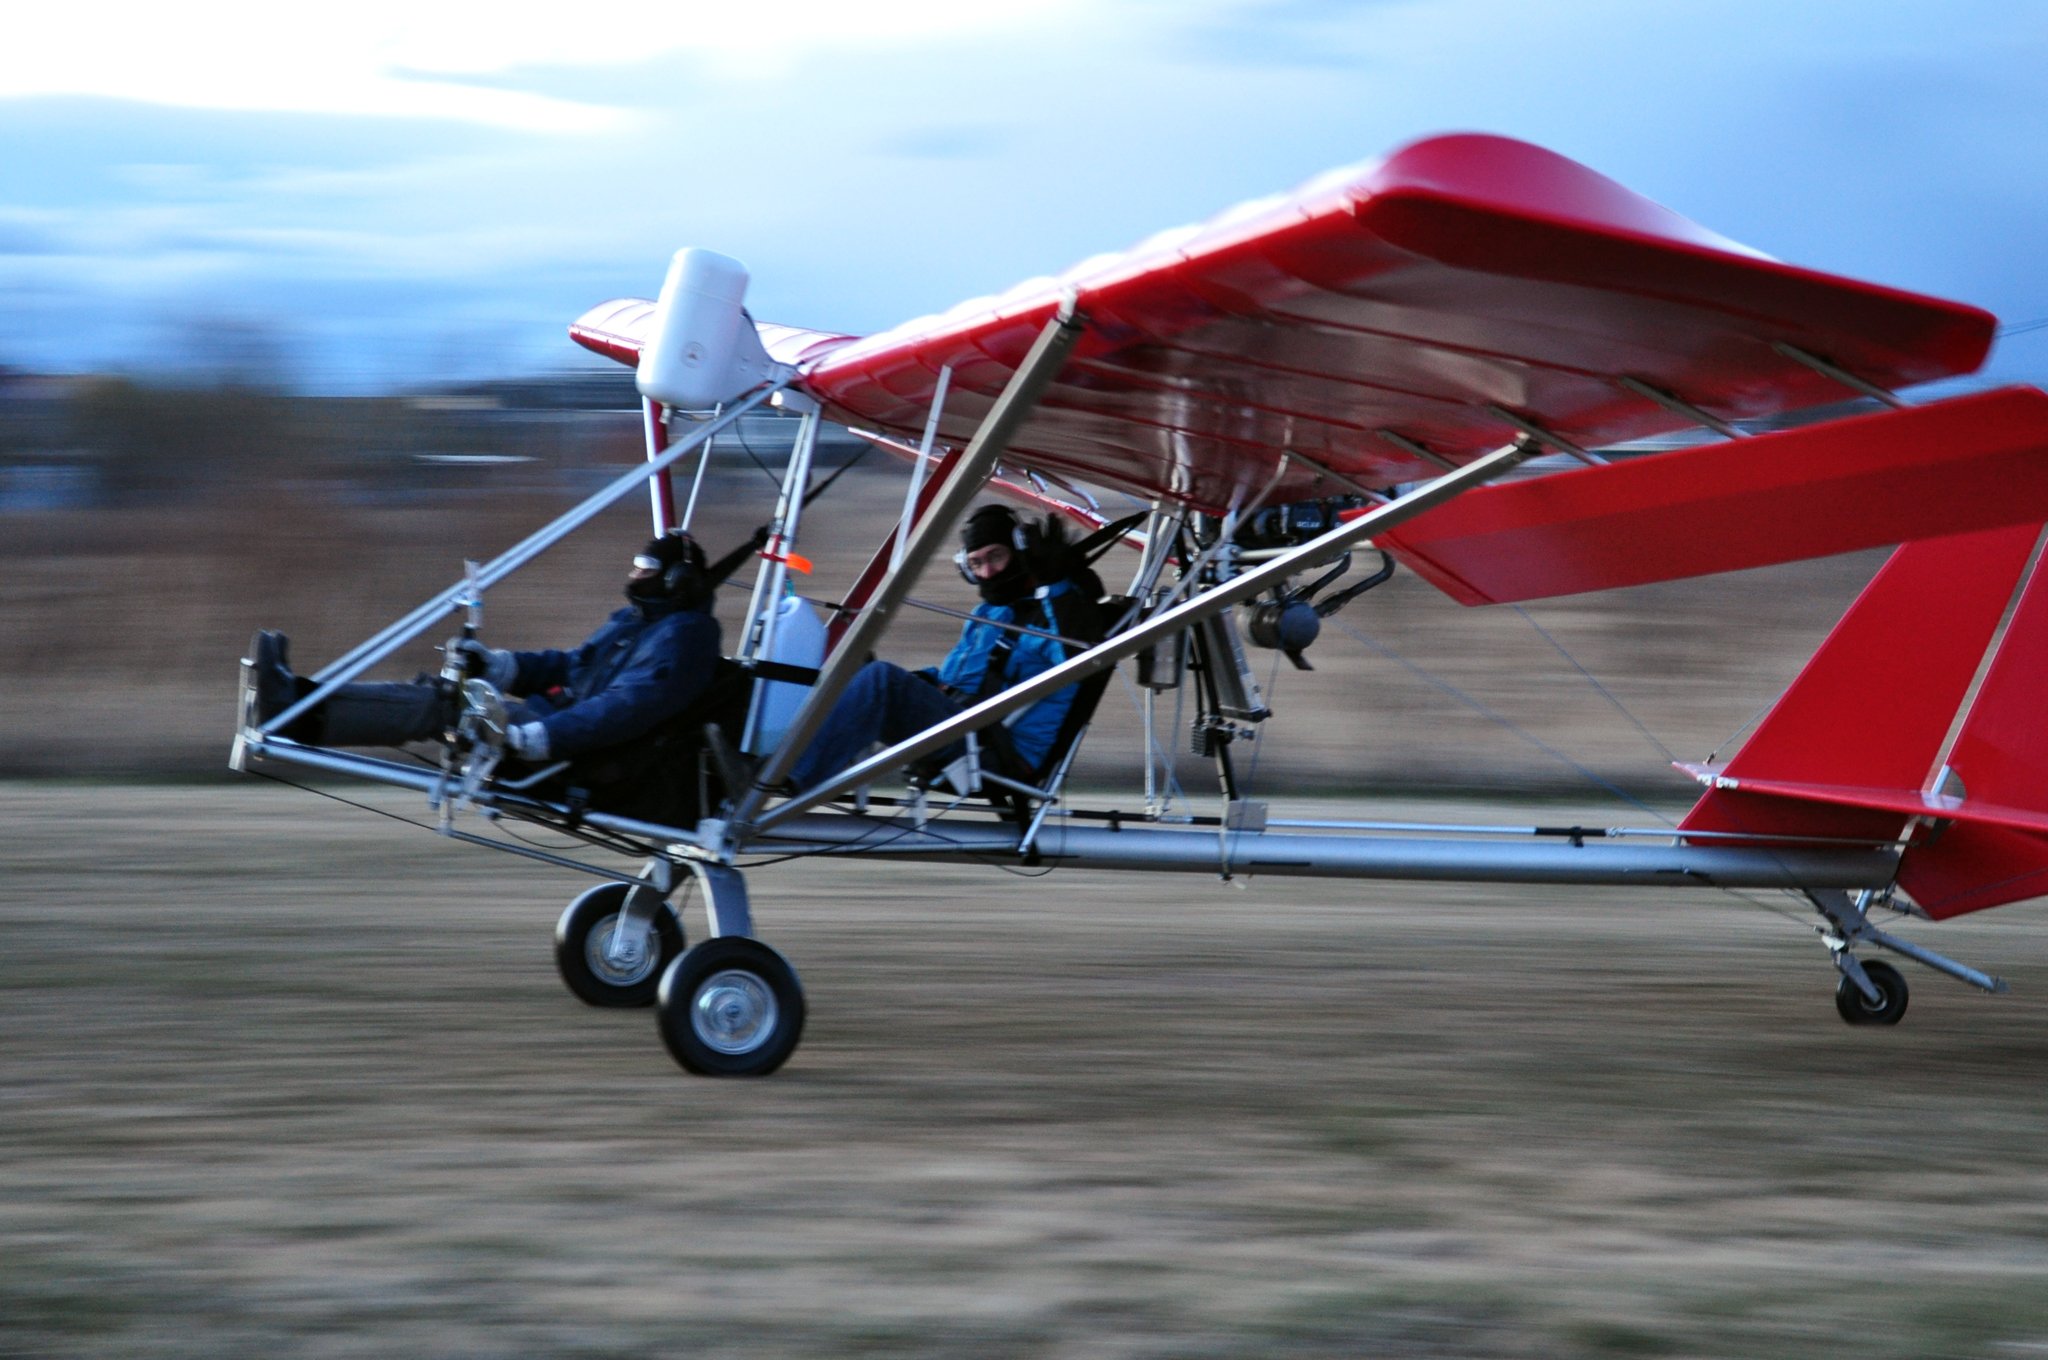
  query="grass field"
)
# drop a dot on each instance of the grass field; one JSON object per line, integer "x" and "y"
{"x": 280, "y": 1078}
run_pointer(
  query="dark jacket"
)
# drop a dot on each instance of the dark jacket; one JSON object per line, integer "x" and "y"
{"x": 1018, "y": 657}
{"x": 635, "y": 673}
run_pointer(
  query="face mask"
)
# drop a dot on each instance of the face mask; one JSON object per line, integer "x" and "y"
{"x": 1009, "y": 585}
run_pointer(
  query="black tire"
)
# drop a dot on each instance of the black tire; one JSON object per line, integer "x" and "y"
{"x": 1857, "y": 1009}
{"x": 584, "y": 933}
{"x": 730, "y": 1007}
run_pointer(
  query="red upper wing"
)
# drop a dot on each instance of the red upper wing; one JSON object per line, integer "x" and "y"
{"x": 1418, "y": 296}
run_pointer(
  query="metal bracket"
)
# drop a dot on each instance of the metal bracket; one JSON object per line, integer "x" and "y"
{"x": 1849, "y": 924}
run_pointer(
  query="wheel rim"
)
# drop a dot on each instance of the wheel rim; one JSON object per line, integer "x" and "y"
{"x": 637, "y": 963}
{"x": 734, "y": 1012}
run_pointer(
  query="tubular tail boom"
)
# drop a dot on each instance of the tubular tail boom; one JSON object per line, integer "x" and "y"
{"x": 1855, "y": 746}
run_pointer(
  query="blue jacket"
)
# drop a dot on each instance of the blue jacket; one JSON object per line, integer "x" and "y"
{"x": 965, "y": 669}
{"x": 636, "y": 672}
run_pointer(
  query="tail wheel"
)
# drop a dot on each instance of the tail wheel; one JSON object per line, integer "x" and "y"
{"x": 731, "y": 1007}
{"x": 1858, "y": 1009}
{"x": 598, "y": 972}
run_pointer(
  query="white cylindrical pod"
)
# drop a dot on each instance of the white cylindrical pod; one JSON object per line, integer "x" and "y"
{"x": 702, "y": 345}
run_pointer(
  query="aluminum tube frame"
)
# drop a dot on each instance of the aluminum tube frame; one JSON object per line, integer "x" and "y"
{"x": 697, "y": 477}
{"x": 1201, "y": 850}
{"x": 1414, "y": 859}
{"x": 1008, "y": 414}
{"x": 661, "y": 492}
{"x": 1334, "y": 543}
{"x": 764, "y": 609}
{"x": 914, "y": 492}
{"x": 433, "y": 782}
{"x": 367, "y": 654}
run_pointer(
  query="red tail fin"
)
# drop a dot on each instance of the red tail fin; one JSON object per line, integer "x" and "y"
{"x": 2000, "y": 761}
{"x": 1851, "y": 749}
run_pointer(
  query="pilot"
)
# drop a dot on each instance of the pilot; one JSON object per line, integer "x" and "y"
{"x": 1026, "y": 576}
{"x": 647, "y": 664}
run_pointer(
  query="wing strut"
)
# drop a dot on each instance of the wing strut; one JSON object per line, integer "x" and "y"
{"x": 1136, "y": 639}
{"x": 961, "y": 486}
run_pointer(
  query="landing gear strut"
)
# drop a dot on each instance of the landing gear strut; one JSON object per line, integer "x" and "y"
{"x": 730, "y": 1007}
{"x": 1873, "y": 993}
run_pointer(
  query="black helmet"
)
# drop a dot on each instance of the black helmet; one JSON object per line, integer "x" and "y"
{"x": 681, "y": 580}
{"x": 999, "y": 524}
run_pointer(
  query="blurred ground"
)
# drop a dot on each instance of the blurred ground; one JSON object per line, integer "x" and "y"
{"x": 285, "y": 1078}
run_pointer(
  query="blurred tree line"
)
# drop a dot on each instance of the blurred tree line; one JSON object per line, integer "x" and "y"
{"x": 110, "y": 441}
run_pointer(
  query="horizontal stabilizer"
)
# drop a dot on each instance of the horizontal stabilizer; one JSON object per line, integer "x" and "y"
{"x": 1901, "y": 803}
{"x": 1981, "y": 854}
{"x": 1899, "y": 475}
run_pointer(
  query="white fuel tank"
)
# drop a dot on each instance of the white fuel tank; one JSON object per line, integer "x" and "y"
{"x": 704, "y": 349}
{"x": 799, "y": 641}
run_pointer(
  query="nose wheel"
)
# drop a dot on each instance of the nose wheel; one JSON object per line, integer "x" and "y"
{"x": 730, "y": 1007}
{"x": 611, "y": 949}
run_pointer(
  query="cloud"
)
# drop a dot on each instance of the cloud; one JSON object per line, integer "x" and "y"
{"x": 879, "y": 161}
{"x": 461, "y": 62}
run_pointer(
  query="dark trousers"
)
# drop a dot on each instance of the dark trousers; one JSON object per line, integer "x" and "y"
{"x": 884, "y": 703}
{"x": 382, "y": 713}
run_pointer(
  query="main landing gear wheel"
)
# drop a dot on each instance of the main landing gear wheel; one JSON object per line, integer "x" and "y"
{"x": 730, "y": 1007}
{"x": 583, "y": 949}
{"x": 1857, "y": 1009}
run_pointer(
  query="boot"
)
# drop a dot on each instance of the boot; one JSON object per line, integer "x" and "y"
{"x": 269, "y": 687}
{"x": 267, "y": 674}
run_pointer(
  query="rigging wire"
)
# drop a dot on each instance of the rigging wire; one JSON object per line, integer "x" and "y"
{"x": 1747, "y": 723}
{"x": 1594, "y": 681}
{"x": 1665, "y": 751}
{"x": 1495, "y": 716}
{"x": 739, "y": 428}
{"x": 812, "y": 495}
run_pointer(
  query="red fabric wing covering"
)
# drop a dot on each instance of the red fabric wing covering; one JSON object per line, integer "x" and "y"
{"x": 1421, "y": 295}
{"x": 1946, "y": 468}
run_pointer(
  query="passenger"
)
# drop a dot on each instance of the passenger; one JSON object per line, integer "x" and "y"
{"x": 648, "y": 663}
{"x": 1004, "y": 557}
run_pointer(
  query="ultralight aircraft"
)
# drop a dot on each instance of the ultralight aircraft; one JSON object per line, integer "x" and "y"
{"x": 1358, "y": 364}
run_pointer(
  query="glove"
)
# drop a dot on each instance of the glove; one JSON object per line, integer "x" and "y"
{"x": 527, "y": 740}
{"x": 494, "y": 664}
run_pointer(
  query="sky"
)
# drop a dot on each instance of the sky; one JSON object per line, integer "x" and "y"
{"x": 382, "y": 195}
